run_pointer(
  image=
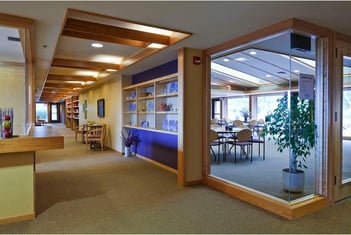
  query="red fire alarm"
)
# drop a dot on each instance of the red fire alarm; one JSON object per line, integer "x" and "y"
{"x": 196, "y": 60}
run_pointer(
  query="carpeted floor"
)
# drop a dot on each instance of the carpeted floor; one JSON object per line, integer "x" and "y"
{"x": 80, "y": 191}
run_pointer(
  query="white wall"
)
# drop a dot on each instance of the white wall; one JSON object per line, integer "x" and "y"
{"x": 112, "y": 93}
{"x": 12, "y": 94}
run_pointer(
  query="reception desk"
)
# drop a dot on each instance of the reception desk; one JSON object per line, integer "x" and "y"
{"x": 17, "y": 172}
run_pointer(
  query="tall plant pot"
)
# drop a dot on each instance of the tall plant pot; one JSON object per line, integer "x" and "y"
{"x": 127, "y": 151}
{"x": 293, "y": 182}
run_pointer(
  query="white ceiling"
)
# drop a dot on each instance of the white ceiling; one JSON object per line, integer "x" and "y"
{"x": 211, "y": 22}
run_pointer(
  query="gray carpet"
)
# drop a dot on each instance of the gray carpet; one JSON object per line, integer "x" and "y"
{"x": 80, "y": 191}
{"x": 263, "y": 175}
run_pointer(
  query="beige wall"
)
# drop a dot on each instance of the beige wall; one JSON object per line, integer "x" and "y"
{"x": 111, "y": 92}
{"x": 12, "y": 94}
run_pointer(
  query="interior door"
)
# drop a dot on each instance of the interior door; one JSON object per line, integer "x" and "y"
{"x": 343, "y": 159}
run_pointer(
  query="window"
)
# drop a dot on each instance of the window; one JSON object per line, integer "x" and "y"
{"x": 235, "y": 106}
{"x": 41, "y": 111}
{"x": 266, "y": 104}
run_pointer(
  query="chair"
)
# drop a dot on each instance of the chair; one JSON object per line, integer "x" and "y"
{"x": 237, "y": 123}
{"x": 260, "y": 139}
{"x": 95, "y": 134}
{"x": 253, "y": 124}
{"x": 214, "y": 142}
{"x": 242, "y": 139}
{"x": 80, "y": 130}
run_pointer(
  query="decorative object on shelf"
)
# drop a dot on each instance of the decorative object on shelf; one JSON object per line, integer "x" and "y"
{"x": 132, "y": 107}
{"x": 101, "y": 108}
{"x": 173, "y": 88}
{"x": 165, "y": 125}
{"x": 129, "y": 138}
{"x": 145, "y": 124}
{"x": 150, "y": 106}
{"x": 166, "y": 107}
{"x": 6, "y": 121}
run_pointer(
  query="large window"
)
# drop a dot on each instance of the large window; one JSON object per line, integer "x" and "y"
{"x": 266, "y": 104}
{"x": 236, "y": 106}
{"x": 41, "y": 111}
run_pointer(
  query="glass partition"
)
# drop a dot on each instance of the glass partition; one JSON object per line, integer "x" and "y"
{"x": 269, "y": 86}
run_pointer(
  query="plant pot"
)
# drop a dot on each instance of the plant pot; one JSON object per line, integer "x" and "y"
{"x": 293, "y": 181}
{"x": 127, "y": 151}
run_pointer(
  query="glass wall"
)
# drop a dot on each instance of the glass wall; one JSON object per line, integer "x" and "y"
{"x": 273, "y": 81}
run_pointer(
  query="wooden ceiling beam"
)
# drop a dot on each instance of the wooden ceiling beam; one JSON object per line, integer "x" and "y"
{"x": 104, "y": 38}
{"x": 79, "y": 64}
{"x": 95, "y": 29}
{"x": 58, "y": 85}
{"x": 57, "y": 77}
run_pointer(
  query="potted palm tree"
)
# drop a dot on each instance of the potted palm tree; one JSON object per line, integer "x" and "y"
{"x": 293, "y": 128}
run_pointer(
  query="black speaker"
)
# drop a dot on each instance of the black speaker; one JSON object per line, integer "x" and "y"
{"x": 300, "y": 43}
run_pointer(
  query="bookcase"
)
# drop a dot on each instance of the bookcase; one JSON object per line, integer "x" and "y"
{"x": 72, "y": 112}
{"x": 152, "y": 105}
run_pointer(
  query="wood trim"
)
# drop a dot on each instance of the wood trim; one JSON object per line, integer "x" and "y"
{"x": 181, "y": 163}
{"x": 74, "y": 11}
{"x": 158, "y": 164}
{"x": 17, "y": 219}
{"x": 123, "y": 35}
{"x": 29, "y": 144}
{"x": 78, "y": 64}
{"x": 16, "y": 21}
{"x": 267, "y": 202}
{"x": 70, "y": 78}
{"x": 256, "y": 35}
{"x": 136, "y": 57}
{"x": 311, "y": 28}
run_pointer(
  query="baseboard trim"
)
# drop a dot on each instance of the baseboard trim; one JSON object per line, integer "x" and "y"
{"x": 276, "y": 206}
{"x": 158, "y": 164}
{"x": 17, "y": 219}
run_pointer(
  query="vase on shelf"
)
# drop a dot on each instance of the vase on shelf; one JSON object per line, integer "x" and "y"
{"x": 6, "y": 121}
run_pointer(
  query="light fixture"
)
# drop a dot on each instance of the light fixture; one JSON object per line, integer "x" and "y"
{"x": 296, "y": 71}
{"x": 240, "y": 59}
{"x": 97, "y": 45}
{"x": 268, "y": 76}
{"x": 226, "y": 60}
{"x": 253, "y": 53}
{"x": 111, "y": 70}
{"x": 156, "y": 46}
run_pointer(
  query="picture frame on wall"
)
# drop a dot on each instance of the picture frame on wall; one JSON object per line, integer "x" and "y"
{"x": 101, "y": 107}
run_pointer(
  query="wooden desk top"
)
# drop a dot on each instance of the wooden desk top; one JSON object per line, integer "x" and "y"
{"x": 40, "y": 138}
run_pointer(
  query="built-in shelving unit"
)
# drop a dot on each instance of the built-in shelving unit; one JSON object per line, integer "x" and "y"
{"x": 72, "y": 112}
{"x": 152, "y": 105}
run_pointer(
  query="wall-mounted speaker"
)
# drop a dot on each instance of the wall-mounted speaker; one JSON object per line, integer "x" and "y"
{"x": 299, "y": 42}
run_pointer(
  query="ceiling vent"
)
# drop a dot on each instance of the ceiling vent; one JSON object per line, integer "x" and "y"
{"x": 14, "y": 39}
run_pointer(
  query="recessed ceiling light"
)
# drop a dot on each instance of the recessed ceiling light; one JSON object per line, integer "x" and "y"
{"x": 296, "y": 71}
{"x": 268, "y": 76}
{"x": 226, "y": 60}
{"x": 111, "y": 70}
{"x": 253, "y": 53}
{"x": 97, "y": 45}
{"x": 156, "y": 46}
{"x": 241, "y": 59}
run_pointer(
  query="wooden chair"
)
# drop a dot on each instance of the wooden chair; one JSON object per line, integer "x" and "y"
{"x": 242, "y": 139}
{"x": 95, "y": 134}
{"x": 260, "y": 139}
{"x": 214, "y": 142}
{"x": 80, "y": 130}
{"x": 237, "y": 123}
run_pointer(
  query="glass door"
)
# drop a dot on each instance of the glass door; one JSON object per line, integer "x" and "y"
{"x": 343, "y": 159}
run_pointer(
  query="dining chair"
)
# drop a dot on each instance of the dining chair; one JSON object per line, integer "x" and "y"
{"x": 215, "y": 142}
{"x": 95, "y": 135}
{"x": 237, "y": 123}
{"x": 242, "y": 139}
{"x": 260, "y": 139}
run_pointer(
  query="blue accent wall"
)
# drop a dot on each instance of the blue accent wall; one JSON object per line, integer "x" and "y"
{"x": 156, "y": 72}
{"x": 160, "y": 147}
